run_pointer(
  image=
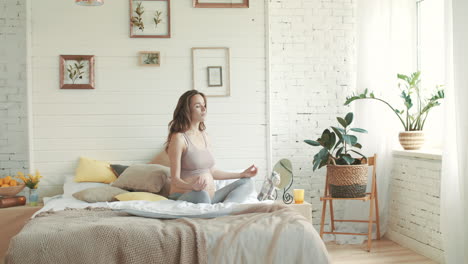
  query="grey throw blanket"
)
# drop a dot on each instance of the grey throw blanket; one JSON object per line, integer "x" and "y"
{"x": 99, "y": 235}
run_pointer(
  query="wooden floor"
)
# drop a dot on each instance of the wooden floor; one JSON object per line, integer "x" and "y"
{"x": 383, "y": 251}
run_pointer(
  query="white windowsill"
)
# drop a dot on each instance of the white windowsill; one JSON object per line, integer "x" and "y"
{"x": 434, "y": 154}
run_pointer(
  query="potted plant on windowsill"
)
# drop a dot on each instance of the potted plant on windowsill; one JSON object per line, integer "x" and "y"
{"x": 412, "y": 119}
{"x": 347, "y": 176}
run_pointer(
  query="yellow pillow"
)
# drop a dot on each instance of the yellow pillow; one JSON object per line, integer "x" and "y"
{"x": 90, "y": 170}
{"x": 145, "y": 196}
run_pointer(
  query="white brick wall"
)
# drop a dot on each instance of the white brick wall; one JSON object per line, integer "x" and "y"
{"x": 13, "y": 90}
{"x": 312, "y": 46}
{"x": 414, "y": 206}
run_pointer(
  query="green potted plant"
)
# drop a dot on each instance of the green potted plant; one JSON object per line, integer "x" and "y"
{"x": 414, "y": 116}
{"x": 347, "y": 176}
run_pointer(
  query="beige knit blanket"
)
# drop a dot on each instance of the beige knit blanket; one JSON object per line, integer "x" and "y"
{"x": 252, "y": 235}
{"x": 99, "y": 235}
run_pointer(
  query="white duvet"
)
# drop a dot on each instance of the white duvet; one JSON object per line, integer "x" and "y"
{"x": 160, "y": 209}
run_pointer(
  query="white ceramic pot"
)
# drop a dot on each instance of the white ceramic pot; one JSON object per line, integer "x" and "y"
{"x": 411, "y": 140}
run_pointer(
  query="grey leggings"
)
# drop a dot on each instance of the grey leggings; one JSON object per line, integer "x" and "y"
{"x": 235, "y": 192}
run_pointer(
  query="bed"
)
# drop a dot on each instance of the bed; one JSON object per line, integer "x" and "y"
{"x": 67, "y": 230}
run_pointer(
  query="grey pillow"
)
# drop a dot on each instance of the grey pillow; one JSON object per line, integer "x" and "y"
{"x": 118, "y": 169}
{"x": 143, "y": 178}
{"x": 98, "y": 194}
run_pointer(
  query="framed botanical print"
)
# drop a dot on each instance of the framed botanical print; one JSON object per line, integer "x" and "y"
{"x": 76, "y": 71}
{"x": 149, "y": 58}
{"x": 211, "y": 71}
{"x": 221, "y": 3}
{"x": 150, "y": 18}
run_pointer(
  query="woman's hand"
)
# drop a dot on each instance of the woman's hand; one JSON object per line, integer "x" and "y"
{"x": 249, "y": 172}
{"x": 200, "y": 184}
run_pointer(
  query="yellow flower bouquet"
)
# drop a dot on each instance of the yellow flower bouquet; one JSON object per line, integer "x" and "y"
{"x": 31, "y": 181}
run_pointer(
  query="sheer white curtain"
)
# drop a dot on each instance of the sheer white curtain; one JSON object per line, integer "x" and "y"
{"x": 385, "y": 47}
{"x": 455, "y": 159}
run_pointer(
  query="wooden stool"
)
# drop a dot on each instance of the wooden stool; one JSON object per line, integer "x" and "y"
{"x": 370, "y": 196}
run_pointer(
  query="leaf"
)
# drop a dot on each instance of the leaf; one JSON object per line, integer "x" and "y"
{"x": 312, "y": 142}
{"x": 349, "y": 117}
{"x": 350, "y": 139}
{"x": 359, "y": 130}
{"x": 342, "y": 122}
{"x": 316, "y": 164}
{"x": 357, "y": 145}
{"x": 338, "y": 152}
{"x": 348, "y": 159}
{"x": 331, "y": 142}
{"x": 323, "y": 153}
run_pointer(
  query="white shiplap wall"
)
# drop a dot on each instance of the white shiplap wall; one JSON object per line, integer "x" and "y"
{"x": 124, "y": 120}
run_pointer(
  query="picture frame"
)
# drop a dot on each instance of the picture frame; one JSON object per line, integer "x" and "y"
{"x": 149, "y": 58}
{"x": 221, "y": 3}
{"x": 215, "y": 76}
{"x": 211, "y": 71}
{"x": 150, "y": 18}
{"x": 76, "y": 71}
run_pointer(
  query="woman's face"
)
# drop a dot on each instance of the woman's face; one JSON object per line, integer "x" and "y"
{"x": 197, "y": 108}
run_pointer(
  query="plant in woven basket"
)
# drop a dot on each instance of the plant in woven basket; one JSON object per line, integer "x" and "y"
{"x": 346, "y": 176}
{"x": 416, "y": 109}
{"x": 412, "y": 119}
{"x": 337, "y": 144}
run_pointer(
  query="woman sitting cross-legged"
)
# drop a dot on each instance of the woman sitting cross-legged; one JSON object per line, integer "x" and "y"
{"x": 192, "y": 164}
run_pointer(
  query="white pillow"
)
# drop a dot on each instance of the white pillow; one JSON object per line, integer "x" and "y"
{"x": 70, "y": 186}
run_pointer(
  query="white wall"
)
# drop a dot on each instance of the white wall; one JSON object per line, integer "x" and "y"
{"x": 124, "y": 120}
{"x": 13, "y": 103}
{"x": 312, "y": 72}
{"x": 414, "y": 211}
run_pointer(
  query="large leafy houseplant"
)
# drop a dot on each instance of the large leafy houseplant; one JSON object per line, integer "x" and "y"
{"x": 350, "y": 180}
{"x": 413, "y": 116}
{"x": 337, "y": 144}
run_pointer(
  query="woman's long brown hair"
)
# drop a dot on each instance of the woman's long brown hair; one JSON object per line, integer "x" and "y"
{"x": 182, "y": 115}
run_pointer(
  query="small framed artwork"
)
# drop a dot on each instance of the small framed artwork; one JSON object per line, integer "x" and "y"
{"x": 76, "y": 71}
{"x": 215, "y": 76}
{"x": 149, "y": 58}
{"x": 221, "y": 3}
{"x": 150, "y": 19}
{"x": 211, "y": 71}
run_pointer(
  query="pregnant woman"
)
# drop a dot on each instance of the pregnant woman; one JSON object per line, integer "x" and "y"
{"x": 192, "y": 165}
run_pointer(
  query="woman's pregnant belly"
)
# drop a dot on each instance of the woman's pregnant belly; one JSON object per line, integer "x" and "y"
{"x": 210, "y": 186}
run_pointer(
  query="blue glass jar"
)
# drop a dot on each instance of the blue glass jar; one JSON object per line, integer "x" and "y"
{"x": 33, "y": 197}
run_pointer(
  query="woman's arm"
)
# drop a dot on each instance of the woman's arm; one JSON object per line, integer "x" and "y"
{"x": 222, "y": 175}
{"x": 175, "y": 150}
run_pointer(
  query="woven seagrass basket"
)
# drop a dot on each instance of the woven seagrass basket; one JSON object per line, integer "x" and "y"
{"x": 347, "y": 181}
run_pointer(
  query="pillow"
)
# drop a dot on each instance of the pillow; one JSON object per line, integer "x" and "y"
{"x": 143, "y": 178}
{"x": 145, "y": 196}
{"x": 90, "y": 170}
{"x": 70, "y": 186}
{"x": 98, "y": 194}
{"x": 162, "y": 158}
{"x": 117, "y": 169}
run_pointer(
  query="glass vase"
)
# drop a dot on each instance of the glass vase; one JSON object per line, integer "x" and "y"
{"x": 33, "y": 197}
